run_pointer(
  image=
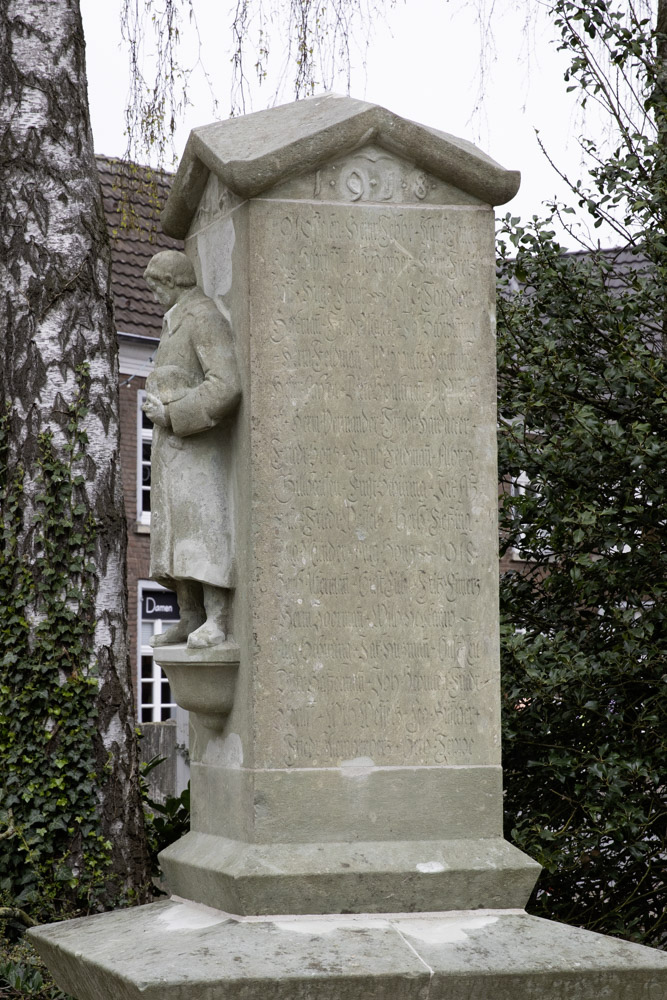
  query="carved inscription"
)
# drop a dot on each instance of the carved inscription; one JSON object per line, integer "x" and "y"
{"x": 372, "y": 175}
{"x": 378, "y": 472}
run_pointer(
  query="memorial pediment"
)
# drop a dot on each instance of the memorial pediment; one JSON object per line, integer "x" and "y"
{"x": 371, "y": 174}
{"x": 253, "y": 154}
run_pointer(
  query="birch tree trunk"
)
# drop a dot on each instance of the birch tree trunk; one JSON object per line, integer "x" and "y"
{"x": 56, "y": 315}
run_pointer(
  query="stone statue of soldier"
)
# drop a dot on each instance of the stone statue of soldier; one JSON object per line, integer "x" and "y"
{"x": 191, "y": 396}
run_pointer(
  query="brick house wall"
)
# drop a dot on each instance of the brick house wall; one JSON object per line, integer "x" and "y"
{"x": 132, "y": 198}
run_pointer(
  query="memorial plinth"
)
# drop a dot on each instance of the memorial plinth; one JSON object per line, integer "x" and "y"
{"x": 359, "y": 770}
{"x": 354, "y": 767}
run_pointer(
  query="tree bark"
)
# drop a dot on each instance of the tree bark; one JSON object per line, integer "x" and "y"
{"x": 57, "y": 314}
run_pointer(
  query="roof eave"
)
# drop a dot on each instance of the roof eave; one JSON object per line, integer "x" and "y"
{"x": 450, "y": 159}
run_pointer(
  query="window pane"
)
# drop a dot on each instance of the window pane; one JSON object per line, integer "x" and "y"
{"x": 144, "y": 441}
{"x": 147, "y": 632}
{"x": 155, "y": 696}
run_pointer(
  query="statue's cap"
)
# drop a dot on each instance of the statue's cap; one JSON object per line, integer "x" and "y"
{"x": 172, "y": 264}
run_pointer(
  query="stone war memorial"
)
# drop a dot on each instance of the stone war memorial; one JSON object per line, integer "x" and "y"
{"x": 324, "y": 394}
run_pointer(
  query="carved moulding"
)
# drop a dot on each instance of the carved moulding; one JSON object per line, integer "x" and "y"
{"x": 202, "y": 681}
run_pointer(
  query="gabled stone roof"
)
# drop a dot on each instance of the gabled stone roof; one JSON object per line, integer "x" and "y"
{"x": 253, "y": 153}
{"x": 132, "y": 198}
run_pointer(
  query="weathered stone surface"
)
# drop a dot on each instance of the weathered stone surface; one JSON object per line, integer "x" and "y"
{"x": 373, "y": 372}
{"x": 256, "y": 152}
{"x": 191, "y": 395}
{"x": 181, "y": 951}
{"x": 202, "y": 681}
{"x": 358, "y": 877}
{"x": 371, "y": 174}
{"x": 361, "y": 801}
{"x": 360, "y": 288}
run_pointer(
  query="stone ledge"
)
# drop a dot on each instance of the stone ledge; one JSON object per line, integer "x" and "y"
{"x": 179, "y": 653}
{"x": 175, "y": 950}
{"x": 202, "y": 681}
{"x": 360, "y": 877}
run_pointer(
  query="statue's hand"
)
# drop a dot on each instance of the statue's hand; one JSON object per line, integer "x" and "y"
{"x": 155, "y": 410}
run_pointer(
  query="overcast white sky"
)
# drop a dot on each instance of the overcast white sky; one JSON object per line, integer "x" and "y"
{"x": 422, "y": 63}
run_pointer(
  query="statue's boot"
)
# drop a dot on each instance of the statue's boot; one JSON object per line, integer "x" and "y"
{"x": 192, "y": 616}
{"x": 178, "y": 632}
{"x": 214, "y": 629}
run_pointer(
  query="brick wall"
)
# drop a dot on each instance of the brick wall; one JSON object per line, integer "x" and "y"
{"x": 509, "y": 562}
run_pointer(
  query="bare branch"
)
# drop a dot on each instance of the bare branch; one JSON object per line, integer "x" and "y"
{"x": 154, "y": 106}
{"x": 318, "y": 39}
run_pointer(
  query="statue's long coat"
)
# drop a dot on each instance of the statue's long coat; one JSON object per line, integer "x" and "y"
{"x": 196, "y": 376}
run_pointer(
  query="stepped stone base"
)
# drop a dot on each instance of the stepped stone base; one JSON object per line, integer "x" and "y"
{"x": 360, "y": 877}
{"x": 177, "y": 950}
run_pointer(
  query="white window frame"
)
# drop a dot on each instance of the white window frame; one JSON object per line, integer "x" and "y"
{"x": 144, "y": 435}
{"x": 518, "y": 486}
{"x": 158, "y": 676}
